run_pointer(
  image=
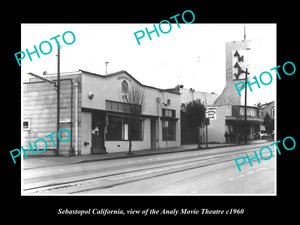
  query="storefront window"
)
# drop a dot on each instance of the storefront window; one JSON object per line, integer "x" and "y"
{"x": 137, "y": 130}
{"x": 125, "y": 131}
{"x": 118, "y": 129}
{"x": 169, "y": 130}
{"x": 114, "y": 129}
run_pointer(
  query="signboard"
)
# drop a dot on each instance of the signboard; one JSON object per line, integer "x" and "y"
{"x": 240, "y": 62}
{"x": 206, "y": 121}
{"x": 122, "y": 77}
{"x": 211, "y": 112}
{"x": 165, "y": 124}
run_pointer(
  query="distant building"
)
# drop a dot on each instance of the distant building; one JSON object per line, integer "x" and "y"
{"x": 225, "y": 111}
{"x": 267, "y": 113}
{"x": 92, "y": 109}
{"x": 190, "y": 135}
{"x": 267, "y": 108}
{"x": 189, "y": 94}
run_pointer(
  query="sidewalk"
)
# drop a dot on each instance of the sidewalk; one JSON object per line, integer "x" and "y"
{"x": 46, "y": 161}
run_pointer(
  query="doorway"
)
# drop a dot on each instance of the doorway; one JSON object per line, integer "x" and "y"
{"x": 153, "y": 133}
{"x": 98, "y": 127}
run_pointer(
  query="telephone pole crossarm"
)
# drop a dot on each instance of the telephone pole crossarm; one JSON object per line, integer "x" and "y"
{"x": 42, "y": 78}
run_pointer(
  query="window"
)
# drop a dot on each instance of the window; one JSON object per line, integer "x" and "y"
{"x": 125, "y": 131}
{"x": 137, "y": 130}
{"x": 273, "y": 111}
{"x": 118, "y": 129}
{"x": 114, "y": 129}
{"x": 114, "y": 106}
{"x": 124, "y": 87}
{"x": 250, "y": 111}
{"x": 26, "y": 124}
{"x": 108, "y": 105}
{"x": 122, "y": 107}
{"x": 169, "y": 130}
{"x": 168, "y": 113}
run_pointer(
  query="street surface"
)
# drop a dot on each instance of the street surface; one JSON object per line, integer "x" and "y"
{"x": 198, "y": 172}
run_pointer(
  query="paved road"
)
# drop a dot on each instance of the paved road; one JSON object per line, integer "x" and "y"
{"x": 210, "y": 171}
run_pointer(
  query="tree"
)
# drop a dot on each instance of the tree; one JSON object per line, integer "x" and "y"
{"x": 134, "y": 103}
{"x": 258, "y": 105}
{"x": 195, "y": 114}
{"x": 269, "y": 123}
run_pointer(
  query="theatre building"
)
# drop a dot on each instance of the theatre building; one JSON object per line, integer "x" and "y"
{"x": 96, "y": 110}
{"x": 230, "y": 112}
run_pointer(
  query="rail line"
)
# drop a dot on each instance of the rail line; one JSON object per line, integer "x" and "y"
{"x": 134, "y": 175}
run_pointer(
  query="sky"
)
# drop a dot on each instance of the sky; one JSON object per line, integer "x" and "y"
{"x": 192, "y": 55}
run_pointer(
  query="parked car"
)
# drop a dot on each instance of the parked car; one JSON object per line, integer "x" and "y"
{"x": 264, "y": 134}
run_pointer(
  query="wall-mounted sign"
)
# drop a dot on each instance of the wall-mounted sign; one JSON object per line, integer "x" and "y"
{"x": 165, "y": 124}
{"x": 211, "y": 112}
{"x": 240, "y": 62}
{"x": 122, "y": 77}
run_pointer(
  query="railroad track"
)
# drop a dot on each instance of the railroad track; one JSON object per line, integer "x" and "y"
{"x": 133, "y": 174}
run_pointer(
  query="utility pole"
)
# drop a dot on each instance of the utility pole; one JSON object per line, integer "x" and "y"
{"x": 206, "y": 135}
{"x": 245, "y": 127}
{"x": 246, "y": 78}
{"x": 58, "y": 99}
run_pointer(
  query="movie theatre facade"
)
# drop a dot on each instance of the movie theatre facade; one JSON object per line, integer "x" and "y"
{"x": 93, "y": 108}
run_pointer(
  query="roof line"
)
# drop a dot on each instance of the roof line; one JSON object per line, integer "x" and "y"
{"x": 91, "y": 73}
{"x": 123, "y": 71}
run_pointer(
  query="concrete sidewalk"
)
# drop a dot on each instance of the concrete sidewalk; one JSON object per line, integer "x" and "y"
{"x": 48, "y": 161}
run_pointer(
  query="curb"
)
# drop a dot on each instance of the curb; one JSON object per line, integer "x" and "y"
{"x": 137, "y": 154}
{"x": 151, "y": 153}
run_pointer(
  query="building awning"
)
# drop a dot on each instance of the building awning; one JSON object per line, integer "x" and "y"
{"x": 126, "y": 115}
{"x": 169, "y": 118}
{"x": 123, "y": 115}
{"x": 237, "y": 119}
{"x": 114, "y": 113}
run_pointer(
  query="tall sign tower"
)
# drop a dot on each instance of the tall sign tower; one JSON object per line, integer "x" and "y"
{"x": 237, "y": 61}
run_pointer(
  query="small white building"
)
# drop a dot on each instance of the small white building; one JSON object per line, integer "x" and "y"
{"x": 188, "y": 134}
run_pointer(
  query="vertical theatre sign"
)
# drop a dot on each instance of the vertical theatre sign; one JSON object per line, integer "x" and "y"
{"x": 240, "y": 62}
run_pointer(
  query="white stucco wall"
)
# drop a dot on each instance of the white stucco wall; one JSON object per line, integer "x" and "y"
{"x": 217, "y": 128}
{"x": 109, "y": 88}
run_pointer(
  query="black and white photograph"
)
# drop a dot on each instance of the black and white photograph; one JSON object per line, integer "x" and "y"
{"x": 150, "y": 111}
{"x": 170, "y": 109}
